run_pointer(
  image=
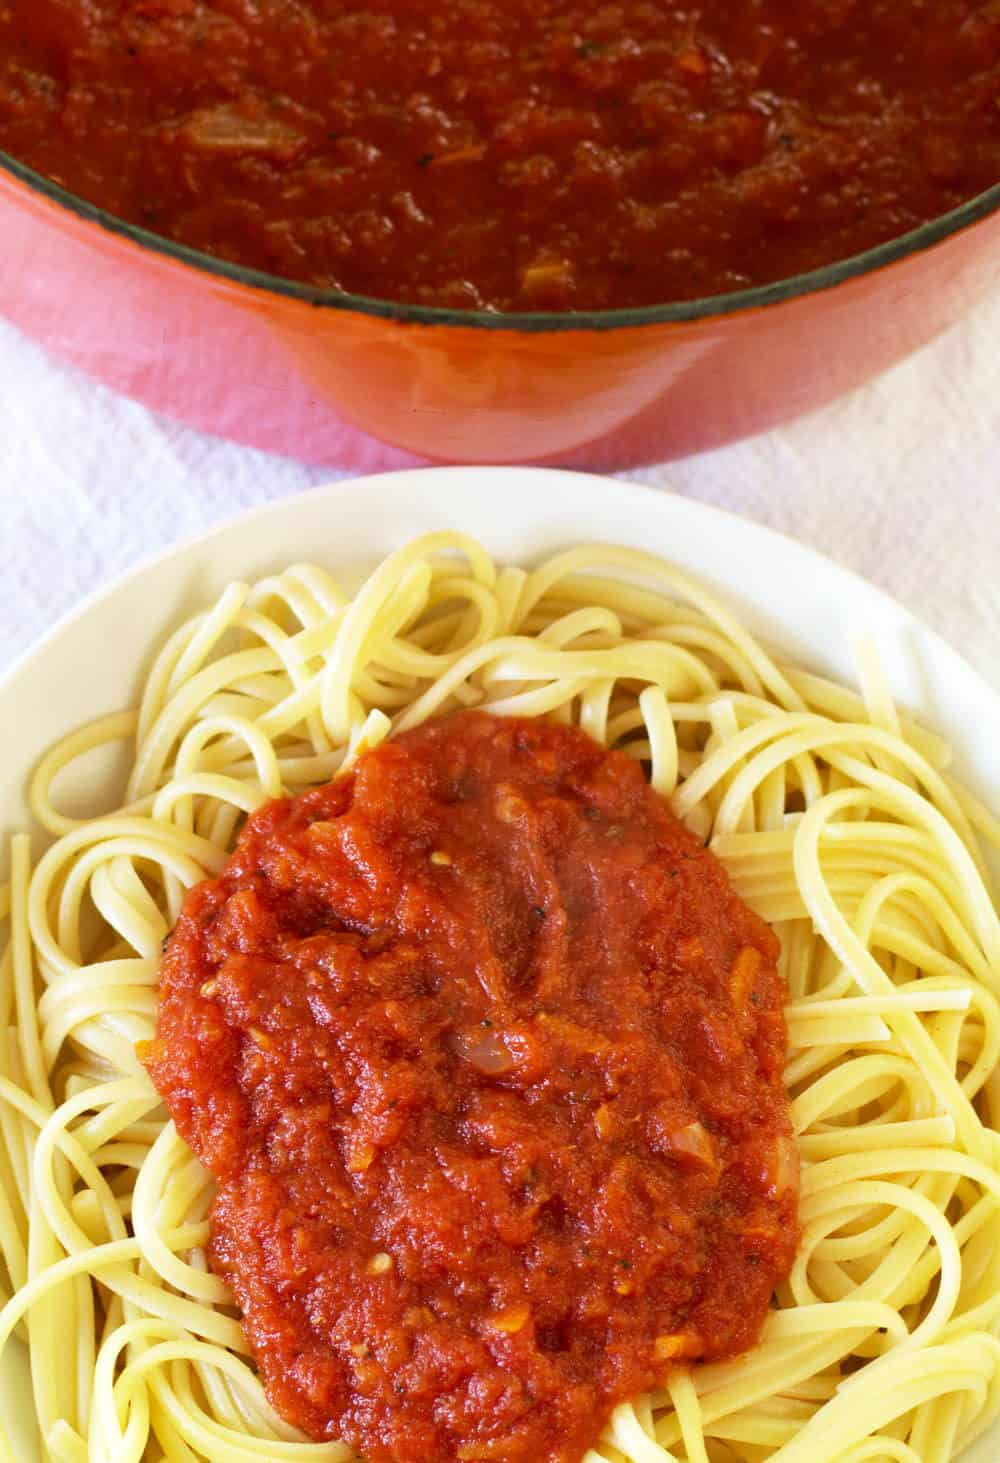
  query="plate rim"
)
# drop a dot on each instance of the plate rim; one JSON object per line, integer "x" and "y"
{"x": 639, "y": 493}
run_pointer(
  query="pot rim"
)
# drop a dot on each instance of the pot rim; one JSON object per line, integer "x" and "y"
{"x": 815, "y": 281}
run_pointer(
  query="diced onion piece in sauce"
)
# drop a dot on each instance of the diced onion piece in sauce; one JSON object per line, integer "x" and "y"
{"x": 483, "y": 1049}
{"x": 226, "y": 129}
{"x": 692, "y": 61}
{"x": 692, "y": 1144}
{"x": 743, "y": 976}
{"x": 323, "y": 829}
{"x": 675, "y": 1347}
{"x": 546, "y": 275}
{"x": 418, "y": 1316}
{"x": 361, "y": 1158}
{"x": 603, "y": 1121}
{"x": 507, "y": 806}
{"x": 511, "y": 1321}
{"x": 460, "y": 155}
{"x": 380, "y": 1264}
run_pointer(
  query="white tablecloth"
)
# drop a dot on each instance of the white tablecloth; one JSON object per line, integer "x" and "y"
{"x": 899, "y": 481}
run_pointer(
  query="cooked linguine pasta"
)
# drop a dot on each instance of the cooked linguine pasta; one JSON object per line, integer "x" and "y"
{"x": 838, "y": 822}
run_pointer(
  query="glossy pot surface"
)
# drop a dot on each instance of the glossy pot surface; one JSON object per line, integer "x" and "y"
{"x": 363, "y": 384}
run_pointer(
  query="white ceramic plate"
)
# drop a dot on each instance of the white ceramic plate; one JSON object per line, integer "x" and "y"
{"x": 807, "y": 607}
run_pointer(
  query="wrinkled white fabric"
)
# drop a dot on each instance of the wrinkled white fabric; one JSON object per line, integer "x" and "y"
{"x": 900, "y": 481}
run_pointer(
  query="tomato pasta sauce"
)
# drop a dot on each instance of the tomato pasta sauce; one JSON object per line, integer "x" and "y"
{"x": 510, "y": 154}
{"x": 486, "y": 1056}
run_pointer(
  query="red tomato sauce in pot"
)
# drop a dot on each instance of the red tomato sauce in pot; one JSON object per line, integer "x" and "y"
{"x": 511, "y": 154}
{"x": 486, "y": 1055}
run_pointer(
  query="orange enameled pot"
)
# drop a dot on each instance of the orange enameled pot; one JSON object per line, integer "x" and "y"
{"x": 332, "y": 378}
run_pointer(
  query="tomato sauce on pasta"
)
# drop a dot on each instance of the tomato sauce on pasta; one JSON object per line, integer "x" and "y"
{"x": 486, "y": 1055}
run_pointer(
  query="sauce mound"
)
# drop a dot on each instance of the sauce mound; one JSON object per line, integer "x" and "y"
{"x": 486, "y": 1055}
{"x": 511, "y": 154}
